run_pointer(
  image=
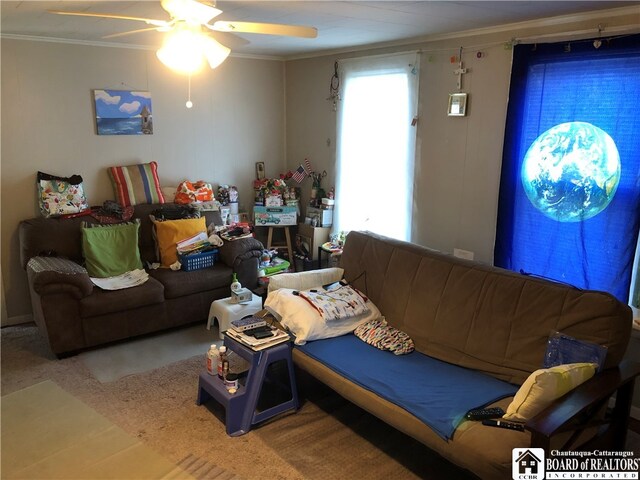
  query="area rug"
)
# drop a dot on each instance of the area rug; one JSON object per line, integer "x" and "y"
{"x": 110, "y": 363}
{"x": 47, "y": 433}
{"x": 327, "y": 438}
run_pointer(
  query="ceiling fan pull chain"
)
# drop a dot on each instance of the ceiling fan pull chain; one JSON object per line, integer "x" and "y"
{"x": 189, "y": 103}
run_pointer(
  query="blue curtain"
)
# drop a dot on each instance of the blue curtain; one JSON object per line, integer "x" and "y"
{"x": 569, "y": 206}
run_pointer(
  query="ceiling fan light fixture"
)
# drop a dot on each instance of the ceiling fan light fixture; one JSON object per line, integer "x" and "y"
{"x": 214, "y": 52}
{"x": 182, "y": 51}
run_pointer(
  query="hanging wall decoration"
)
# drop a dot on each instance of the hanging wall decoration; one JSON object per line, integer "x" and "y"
{"x": 123, "y": 112}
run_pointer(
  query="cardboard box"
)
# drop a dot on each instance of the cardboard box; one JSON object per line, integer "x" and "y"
{"x": 275, "y": 216}
{"x": 325, "y": 217}
{"x": 312, "y": 238}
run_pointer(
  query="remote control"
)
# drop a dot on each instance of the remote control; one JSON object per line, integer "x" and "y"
{"x": 503, "y": 424}
{"x": 483, "y": 413}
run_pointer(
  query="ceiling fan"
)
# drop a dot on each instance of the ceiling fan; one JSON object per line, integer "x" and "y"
{"x": 188, "y": 41}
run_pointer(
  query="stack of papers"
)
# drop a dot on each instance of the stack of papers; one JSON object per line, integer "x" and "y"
{"x": 257, "y": 344}
{"x": 126, "y": 280}
{"x": 194, "y": 244}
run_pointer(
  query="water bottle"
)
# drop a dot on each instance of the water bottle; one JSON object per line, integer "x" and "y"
{"x": 212, "y": 360}
{"x": 222, "y": 359}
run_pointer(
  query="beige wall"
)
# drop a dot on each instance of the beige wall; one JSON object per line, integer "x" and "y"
{"x": 459, "y": 160}
{"x": 48, "y": 124}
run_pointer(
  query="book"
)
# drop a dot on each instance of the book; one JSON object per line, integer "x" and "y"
{"x": 247, "y": 323}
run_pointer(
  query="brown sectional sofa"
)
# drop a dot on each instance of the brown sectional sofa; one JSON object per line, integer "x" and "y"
{"x": 73, "y": 314}
{"x": 497, "y": 322}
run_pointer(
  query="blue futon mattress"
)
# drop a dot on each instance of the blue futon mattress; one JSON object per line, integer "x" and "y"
{"x": 436, "y": 392}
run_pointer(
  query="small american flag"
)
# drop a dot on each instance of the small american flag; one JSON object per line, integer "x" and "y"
{"x": 299, "y": 174}
{"x": 307, "y": 166}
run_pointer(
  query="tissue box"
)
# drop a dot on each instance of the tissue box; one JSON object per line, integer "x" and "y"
{"x": 241, "y": 296}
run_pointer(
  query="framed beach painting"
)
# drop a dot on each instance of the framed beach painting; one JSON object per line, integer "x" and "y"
{"x": 123, "y": 112}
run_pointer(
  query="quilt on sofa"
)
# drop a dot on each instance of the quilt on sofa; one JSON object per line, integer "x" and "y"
{"x": 436, "y": 392}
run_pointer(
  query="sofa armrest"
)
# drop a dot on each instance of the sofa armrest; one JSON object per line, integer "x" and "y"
{"x": 578, "y": 410}
{"x": 53, "y": 275}
{"x": 243, "y": 256}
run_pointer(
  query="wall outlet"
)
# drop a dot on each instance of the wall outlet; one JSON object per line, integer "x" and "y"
{"x": 466, "y": 254}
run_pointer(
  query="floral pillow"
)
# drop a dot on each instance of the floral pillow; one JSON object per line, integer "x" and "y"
{"x": 61, "y": 195}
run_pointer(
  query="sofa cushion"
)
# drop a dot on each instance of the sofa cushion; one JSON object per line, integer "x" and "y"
{"x": 110, "y": 250}
{"x": 101, "y": 302}
{"x": 476, "y": 315}
{"x": 546, "y": 385}
{"x": 436, "y": 392}
{"x": 180, "y": 283}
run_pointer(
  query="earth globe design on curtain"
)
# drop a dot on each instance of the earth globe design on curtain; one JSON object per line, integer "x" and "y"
{"x": 571, "y": 172}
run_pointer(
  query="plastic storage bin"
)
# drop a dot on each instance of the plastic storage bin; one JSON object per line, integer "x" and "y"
{"x": 197, "y": 261}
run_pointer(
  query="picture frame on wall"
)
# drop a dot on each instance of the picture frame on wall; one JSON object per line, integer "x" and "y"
{"x": 123, "y": 112}
{"x": 260, "y": 170}
{"x": 457, "y": 105}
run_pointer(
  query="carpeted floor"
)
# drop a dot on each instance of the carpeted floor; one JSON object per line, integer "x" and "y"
{"x": 328, "y": 438}
{"x": 116, "y": 361}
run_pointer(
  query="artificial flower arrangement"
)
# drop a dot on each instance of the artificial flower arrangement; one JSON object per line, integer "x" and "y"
{"x": 275, "y": 187}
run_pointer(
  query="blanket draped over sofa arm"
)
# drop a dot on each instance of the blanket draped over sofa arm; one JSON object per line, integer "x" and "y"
{"x": 51, "y": 275}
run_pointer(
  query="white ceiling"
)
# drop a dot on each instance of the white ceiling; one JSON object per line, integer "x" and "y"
{"x": 341, "y": 25}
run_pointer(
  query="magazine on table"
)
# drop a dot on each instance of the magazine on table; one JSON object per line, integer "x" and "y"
{"x": 278, "y": 337}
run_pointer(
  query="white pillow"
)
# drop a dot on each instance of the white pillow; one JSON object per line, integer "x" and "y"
{"x": 546, "y": 385}
{"x": 306, "y": 323}
{"x": 305, "y": 280}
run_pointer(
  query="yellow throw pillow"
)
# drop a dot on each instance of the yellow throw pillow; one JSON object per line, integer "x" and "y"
{"x": 546, "y": 385}
{"x": 169, "y": 232}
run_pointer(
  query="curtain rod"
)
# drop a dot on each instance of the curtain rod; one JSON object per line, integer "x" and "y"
{"x": 578, "y": 34}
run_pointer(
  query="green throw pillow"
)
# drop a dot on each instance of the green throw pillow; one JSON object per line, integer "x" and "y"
{"x": 110, "y": 250}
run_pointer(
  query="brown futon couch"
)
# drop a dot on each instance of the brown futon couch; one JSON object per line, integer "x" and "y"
{"x": 73, "y": 314}
{"x": 493, "y": 321}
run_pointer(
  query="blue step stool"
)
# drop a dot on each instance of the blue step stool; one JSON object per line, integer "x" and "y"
{"x": 240, "y": 407}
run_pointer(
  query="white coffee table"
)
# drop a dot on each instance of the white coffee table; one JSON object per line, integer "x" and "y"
{"x": 226, "y": 312}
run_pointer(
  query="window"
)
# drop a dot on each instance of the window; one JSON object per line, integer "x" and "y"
{"x": 569, "y": 205}
{"x": 376, "y": 145}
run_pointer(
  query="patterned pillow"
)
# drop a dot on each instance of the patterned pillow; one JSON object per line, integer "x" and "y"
{"x": 61, "y": 195}
{"x": 136, "y": 184}
{"x": 384, "y": 337}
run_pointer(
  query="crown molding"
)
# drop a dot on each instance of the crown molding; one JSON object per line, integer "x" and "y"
{"x": 507, "y": 27}
{"x": 34, "y": 38}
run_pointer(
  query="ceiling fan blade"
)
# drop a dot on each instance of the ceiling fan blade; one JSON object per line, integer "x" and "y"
{"x": 230, "y": 40}
{"x": 130, "y": 32}
{"x": 190, "y": 10}
{"x": 150, "y": 21}
{"x": 265, "y": 28}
